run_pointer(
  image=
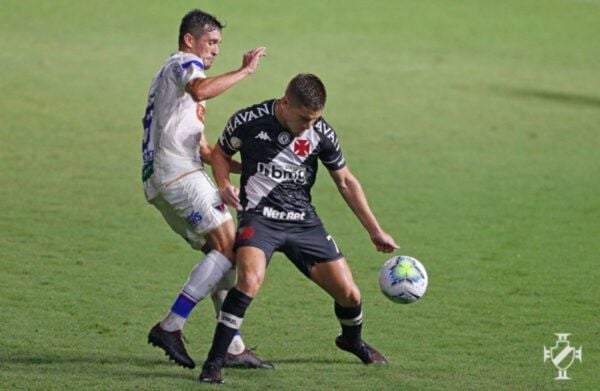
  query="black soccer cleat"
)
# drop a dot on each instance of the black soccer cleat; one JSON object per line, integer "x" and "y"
{"x": 172, "y": 344}
{"x": 246, "y": 359}
{"x": 366, "y": 353}
{"x": 211, "y": 373}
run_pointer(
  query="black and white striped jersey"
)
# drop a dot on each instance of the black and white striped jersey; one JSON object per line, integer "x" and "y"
{"x": 278, "y": 170}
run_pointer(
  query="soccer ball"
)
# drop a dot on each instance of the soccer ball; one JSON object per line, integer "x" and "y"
{"x": 403, "y": 279}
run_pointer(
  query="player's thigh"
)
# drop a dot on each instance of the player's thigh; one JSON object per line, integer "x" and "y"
{"x": 195, "y": 209}
{"x": 221, "y": 238}
{"x": 315, "y": 253}
{"x": 336, "y": 279}
{"x": 308, "y": 246}
{"x": 255, "y": 243}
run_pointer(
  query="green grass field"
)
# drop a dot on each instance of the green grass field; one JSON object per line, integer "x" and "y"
{"x": 474, "y": 127}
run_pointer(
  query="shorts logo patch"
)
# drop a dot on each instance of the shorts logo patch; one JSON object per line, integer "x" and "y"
{"x": 301, "y": 147}
{"x": 194, "y": 219}
{"x": 220, "y": 207}
{"x": 246, "y": 233}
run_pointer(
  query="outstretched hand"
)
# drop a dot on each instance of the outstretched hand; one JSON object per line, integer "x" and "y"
{"x": 384, "y": 242}
{"x": 251, "y": 58}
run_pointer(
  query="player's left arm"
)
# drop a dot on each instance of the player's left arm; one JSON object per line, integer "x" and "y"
{"x": 352, "y": 192}
{"x": 206, "y": 153}
{"x": 202, "y": 88}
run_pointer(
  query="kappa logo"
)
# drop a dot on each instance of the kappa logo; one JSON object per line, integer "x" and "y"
{"x": 301, "y": 147}
{"x": 562, "y": 355}
{"x": 263, "y": 136}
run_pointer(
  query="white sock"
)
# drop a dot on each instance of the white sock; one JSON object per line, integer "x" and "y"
{"x": 223, "y": 286}
{"x": 237, "y": 345}
{"x": 206, "y": 274}
{"x": 172, "y": 322}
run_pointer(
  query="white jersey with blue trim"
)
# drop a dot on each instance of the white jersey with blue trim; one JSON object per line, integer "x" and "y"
{"x": 173, "y": 123}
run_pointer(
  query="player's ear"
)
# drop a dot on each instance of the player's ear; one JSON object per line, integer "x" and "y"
{"x": 189, "y": 40}
{"x": 285, "y": 103}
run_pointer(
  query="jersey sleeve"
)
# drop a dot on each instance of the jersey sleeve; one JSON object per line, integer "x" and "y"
{"x": 330, "y": 152}
{"x": 231, "y": 140}
{"x": 190, "y": 68}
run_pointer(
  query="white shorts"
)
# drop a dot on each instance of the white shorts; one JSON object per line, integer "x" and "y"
{"x": 192, "y": 206}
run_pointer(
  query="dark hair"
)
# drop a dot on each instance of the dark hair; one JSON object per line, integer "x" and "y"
{"x": 197, "y": 22}
{"x": 307, "y": 90}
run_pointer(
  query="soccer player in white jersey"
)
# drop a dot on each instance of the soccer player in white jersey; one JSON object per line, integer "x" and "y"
{"x": 175, "y": 150}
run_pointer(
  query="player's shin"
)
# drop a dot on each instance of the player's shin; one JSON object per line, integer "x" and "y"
{"x": 201, "y": 281}
{"x": 237, "y": 345}
{"x": 220, "y": 291}
{"x": 350, "y": 319}
{"x": 230, "y": 319}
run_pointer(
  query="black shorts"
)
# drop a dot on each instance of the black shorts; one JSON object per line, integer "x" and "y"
{"x": 304, "y": 245}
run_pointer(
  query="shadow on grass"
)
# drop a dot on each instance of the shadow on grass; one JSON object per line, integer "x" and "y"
{"x": 312, "y": 360}
{"x": 567, "y": 98}
{"x": 66, "y": 358}
{"x": 102, "y": 365}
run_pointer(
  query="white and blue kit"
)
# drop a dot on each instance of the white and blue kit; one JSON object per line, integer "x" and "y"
{"x": 173, "y": 171}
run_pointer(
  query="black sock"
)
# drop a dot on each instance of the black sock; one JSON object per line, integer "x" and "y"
{"x": 351, "y": 321}
{"x": 230, "y": 318}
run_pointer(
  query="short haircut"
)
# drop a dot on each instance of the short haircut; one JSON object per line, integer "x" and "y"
{"x": 197, "y": 22}
{"x": 307, "y": 90}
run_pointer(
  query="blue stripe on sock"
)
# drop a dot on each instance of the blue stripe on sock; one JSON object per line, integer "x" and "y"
{"x": 183, "y": 306}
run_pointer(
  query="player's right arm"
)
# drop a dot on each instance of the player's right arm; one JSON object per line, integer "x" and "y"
{"x": 206, "y": 151}
{"x": 221, "y": 168}
{"x": 352, "y": 192}
{"x": 206, "y": 88}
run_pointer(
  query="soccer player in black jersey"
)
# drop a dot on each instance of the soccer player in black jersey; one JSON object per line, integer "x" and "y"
{"x": 280, "y": 142}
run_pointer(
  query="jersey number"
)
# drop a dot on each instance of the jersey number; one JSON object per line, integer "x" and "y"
{"x": 334, "y": 243}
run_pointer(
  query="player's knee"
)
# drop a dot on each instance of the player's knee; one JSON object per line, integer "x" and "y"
{"x": 223, "y": 243}
{"x": 249, "y": 282}
{"x": 354, "y": 298}
{"x": 229, "y": 254}
{"x": 351, "y": 298}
